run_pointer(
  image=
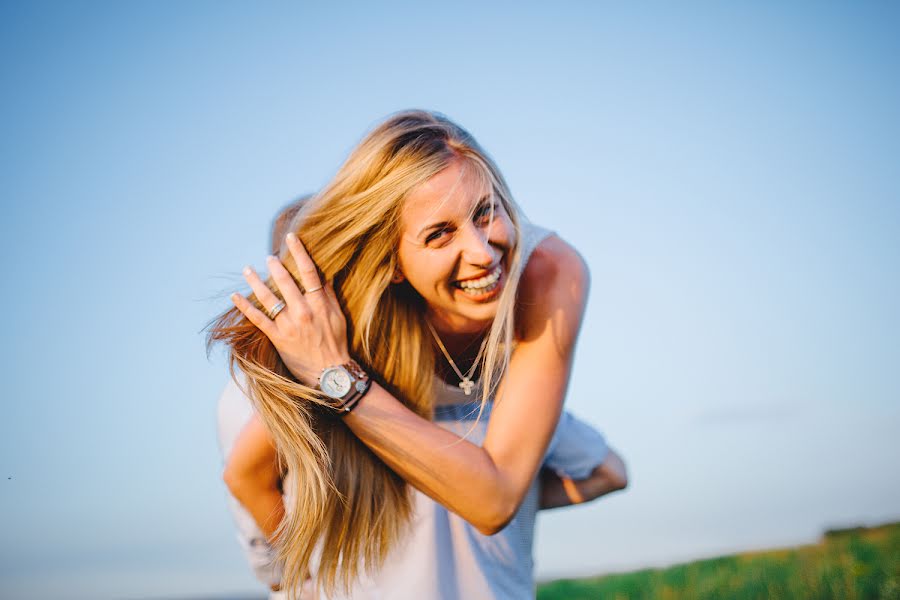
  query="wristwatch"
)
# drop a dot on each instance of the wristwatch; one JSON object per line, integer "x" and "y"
{"x": 346, "y": 384}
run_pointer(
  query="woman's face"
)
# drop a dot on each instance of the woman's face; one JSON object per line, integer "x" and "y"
{"x": 454, "y": 248}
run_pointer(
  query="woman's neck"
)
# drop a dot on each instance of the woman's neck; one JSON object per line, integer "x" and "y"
{"x": 462, "y": 342}
{"x": 460, "y": 339}
{"x": 463, "y": 352}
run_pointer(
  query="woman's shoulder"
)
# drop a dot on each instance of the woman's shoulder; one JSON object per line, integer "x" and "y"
{"x": 552, "y": 261}
{"x": 555, "y": 278}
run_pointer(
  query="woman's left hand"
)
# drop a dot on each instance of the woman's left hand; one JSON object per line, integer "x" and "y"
{"x": 310, "y": 332}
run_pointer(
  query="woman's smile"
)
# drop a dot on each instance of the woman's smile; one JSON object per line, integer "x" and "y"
{"x": 484, "y": 288}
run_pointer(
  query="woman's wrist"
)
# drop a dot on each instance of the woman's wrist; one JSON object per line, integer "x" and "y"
{"x": 344, "y": 385}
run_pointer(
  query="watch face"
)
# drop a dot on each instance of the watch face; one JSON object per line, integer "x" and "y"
{"x": 335, "y": 382}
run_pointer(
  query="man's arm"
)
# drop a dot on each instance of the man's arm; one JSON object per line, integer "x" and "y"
{"x": 558, "y": 490}
{"x": 252, "y": 475}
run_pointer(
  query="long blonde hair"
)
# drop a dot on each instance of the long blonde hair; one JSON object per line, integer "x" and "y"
{"x": 345, "y": 499}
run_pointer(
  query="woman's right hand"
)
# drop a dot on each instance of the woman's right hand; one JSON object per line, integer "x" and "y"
{"x": 310, "y": 333}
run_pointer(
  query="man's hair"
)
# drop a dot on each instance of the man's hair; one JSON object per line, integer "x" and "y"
{"x": 282, "y": 223}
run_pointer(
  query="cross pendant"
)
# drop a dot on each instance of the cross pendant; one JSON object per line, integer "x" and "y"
{"x": 467, "y": 385}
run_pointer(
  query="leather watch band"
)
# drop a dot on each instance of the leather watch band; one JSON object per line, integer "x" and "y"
{"x": 361, "y": 385}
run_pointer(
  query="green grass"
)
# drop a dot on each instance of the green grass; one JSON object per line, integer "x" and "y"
{"x": 849, "y": 564}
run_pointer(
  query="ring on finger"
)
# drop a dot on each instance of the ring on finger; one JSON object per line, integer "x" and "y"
{"x": 313, "y": 290}
{"x": 276, "y": 309}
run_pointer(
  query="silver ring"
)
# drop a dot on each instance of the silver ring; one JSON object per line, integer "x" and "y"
{"x": 276, "y": 309}
{"x": 313, "y": 290}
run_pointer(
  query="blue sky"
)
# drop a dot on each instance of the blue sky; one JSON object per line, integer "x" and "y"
{"x": 728, "y": 172}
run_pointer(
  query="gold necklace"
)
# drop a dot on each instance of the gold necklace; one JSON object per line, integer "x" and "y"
{"x": 466, "y": 384}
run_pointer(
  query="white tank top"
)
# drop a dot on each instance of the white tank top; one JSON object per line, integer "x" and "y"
{"x": 442, "y": 556}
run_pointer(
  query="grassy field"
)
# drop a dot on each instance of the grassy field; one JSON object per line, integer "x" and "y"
{"x": 848, "y": 564}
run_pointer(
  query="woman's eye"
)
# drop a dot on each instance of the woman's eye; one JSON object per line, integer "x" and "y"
{"x": 484, "y": 213}
{"x": 436, "y": 235}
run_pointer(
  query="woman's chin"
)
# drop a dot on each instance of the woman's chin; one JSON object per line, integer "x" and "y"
{"x": 464, "y": 317}
{"x": 467, "y": 312}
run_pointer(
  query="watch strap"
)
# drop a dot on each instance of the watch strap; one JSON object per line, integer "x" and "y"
{"x": 361, "y": 385}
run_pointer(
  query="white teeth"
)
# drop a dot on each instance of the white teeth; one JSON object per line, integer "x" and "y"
{"x": 479, "y": 291}
{"x": 481, "y": 284}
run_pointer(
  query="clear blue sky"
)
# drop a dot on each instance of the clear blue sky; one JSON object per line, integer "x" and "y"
{"x": 728, "y": 172}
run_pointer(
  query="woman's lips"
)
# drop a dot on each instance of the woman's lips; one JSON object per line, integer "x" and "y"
{"x": 492, "y": 292}
{"x": 495, "y": 271}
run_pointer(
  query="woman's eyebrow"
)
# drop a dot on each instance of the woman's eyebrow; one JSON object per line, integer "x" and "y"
{"x": 482, "y": 200}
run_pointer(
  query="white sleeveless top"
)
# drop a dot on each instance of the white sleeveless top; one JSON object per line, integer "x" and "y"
{"x": 442, "y": 556}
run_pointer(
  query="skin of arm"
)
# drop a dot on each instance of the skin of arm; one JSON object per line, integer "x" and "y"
{"x": 485, "y": 485}
{"x": 251, "y": 474}
{"x": 557, "y": 491}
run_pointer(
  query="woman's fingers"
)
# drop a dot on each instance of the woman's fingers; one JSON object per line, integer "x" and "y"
{"x": 313, "y": 288}
{"x": 265, "y": 296}
{"x": 311, "y": 334}
{"x": 254, "y": 315}
{"x": 286, "y": 285}
{"x": 330, "y": 293}
{"x": 306, "y": 268}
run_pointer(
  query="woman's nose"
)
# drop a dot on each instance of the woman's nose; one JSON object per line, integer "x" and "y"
{"x": 476, "y": 249}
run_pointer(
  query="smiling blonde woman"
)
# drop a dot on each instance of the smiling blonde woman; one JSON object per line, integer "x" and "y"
{"x": 418, "y": 277}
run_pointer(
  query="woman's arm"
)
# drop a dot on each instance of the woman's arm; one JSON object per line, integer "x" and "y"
{"x": 557, "y": 490}
{"x": 484, "y": 485}
{"x": 252, "y": 475}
